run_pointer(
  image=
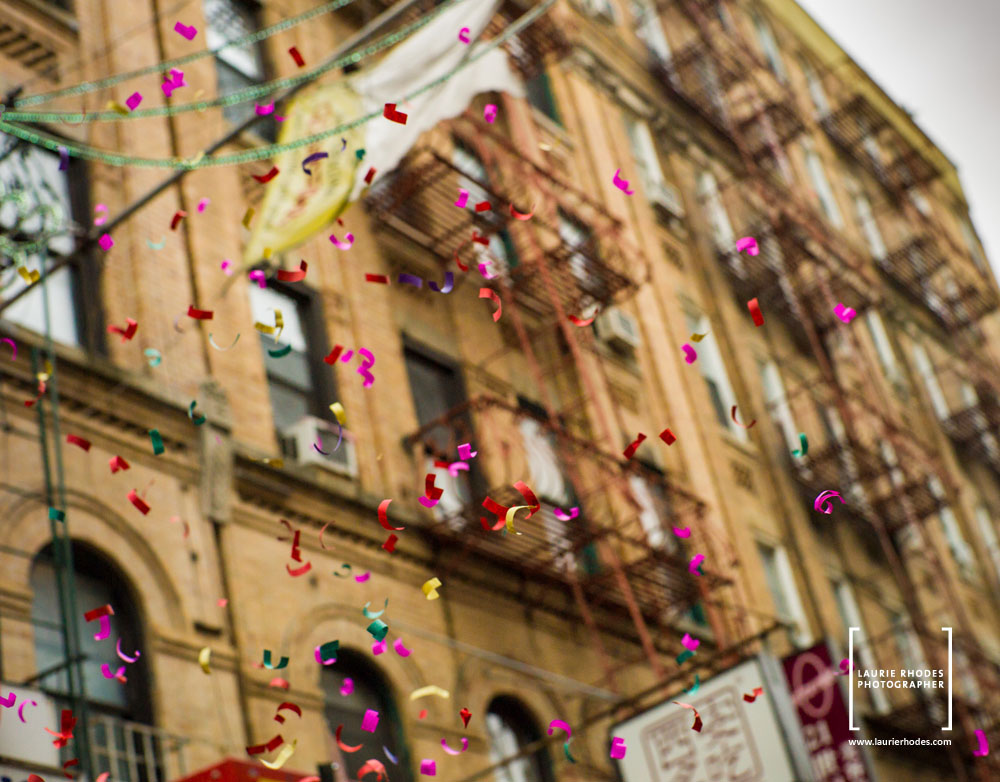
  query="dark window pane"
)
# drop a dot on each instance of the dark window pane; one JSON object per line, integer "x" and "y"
{"x": 510, "y": 727}
{"x": 288, "y": 405}
{"x": 539, "y": 91}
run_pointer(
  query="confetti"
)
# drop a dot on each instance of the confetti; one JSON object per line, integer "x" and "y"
{"x": 372, "y": 614}
{"x": 267, "y": 661}
{"x": 248, "y": 216}
{"x": 463, "y": 35}
{"x": 749, "y": 244}
{"x": 344, "y": 747}
{"x": 297, "y": 57}
{"x": 106, "y": 242}
{"x": 370, "y": 721}
{"x": 186, "y": 31}
{"x": 263, "y": 111}
{"x": 372, "y": 766}
{"x": 265, "y": 178}
{"x": 449, "y": 283}
{"x": 697, "y": 717}
{"x": 202, "y": 204}
{"x": 566, "y": 752}
{"x": 490, "y": 112}
{"x": 383, "y": 516}
{"x": 428, "y": 768}
{"x": 211, "y": 341}
{"x": 750, "y": 698}
{"x": 20, "y": 712}
{"x": 78, "y": 441}
{"x": 126, "y": 333}
{"x": 682, "y": 532}
{"x": 689, "y": 642}
{"x": 259, "y": 749}
{"x": 695, "y": 563}
{"x": 803, "y": 448}
{"x": 489, "y": 293}
{"x": 347, "y": 687}
{"x": 562, "y": 515}
{"x": 390, "y": 113}
{"x": 823, "y": 502}
{"x": 984, "y": 747}
{"x": 560, "y": 725}
{"x": 618, "y": 748}
{"x": 466, "y": 715}
{"x": 668, "y": 437}
{"x": 690, "y": 354}
{"x": 200, "y": 419}
{"x": 430, "y": 588}
{"x": 463, "y": 198}
{"x": 346, "y": 245}
{"x": 732, "y": 414}
{"x": 200, "y": 314}
{"x": 758, "y": 317}
{"x": 63, "y": 159}
{"x": 378, "y": 630}
{"x": 622, "y": 184}
{"x": 430, "y": 689}
{"x": 450, "y": 751}
{"x": 286, "y": 705}
{"x": 117, "y": 463}
{"x": 401, "y": 650}
{"x": 178, "y": 216}
{"x": 629, "y": 452}
{"x": 313, "y": 157}
{"x": 410, "y": 279}
{"x": 380, "y": 278}
{"x": 157, "y": 245}
{"x": 326, "y": 654}
{"x": 694, "y": 687}
{"x": 106, "y": 671}
{"x": 123, "y": 656}
{"x": 390, "y": 543}
{"x": 175, "y": 82}
{"x": 13, "y": 347}
{"x": 846, "y": 314}
{"x": 140, "y": 505}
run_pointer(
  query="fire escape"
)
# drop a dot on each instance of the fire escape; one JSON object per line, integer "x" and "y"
{"x": 802, "y": 261}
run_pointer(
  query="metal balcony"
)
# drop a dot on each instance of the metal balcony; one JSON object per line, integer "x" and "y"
{"x": 974, "y": 430}
{"x": 697, "y": 79}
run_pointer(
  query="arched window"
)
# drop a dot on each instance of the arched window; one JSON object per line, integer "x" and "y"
{"x": 511, "y": 727}
{"x": 370, "y": 691}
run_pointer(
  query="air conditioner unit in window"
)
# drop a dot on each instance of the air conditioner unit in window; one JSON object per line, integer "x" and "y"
{"x": 618, "y": 329}
{"x": 601, "y": 9}
{"x": 297, "y": 443}
{"x": 666, "y": 198}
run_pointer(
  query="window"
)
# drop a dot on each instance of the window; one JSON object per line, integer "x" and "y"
{"x": 926, "y": 371}
{"x": 815, "y": 86}
{"x": 770, "y": 46}
{"x": 654, "y": 511}
{"x": 777, "y": 403}
{"x": 579, "y": 241}
{"x": 713, "y": 369}
{"x": 960, "y": 550}
{"x": 539, "y": 92}
{"x": 975, "y": 249}
{"x": 644, "y": 152}
{"x": 883, "y": 347}
{"x": 919, "y": 200}
{"x": 863, "y": 209}
{"x": 817, "y": 174}
{"x": 715, "y": 211}
{"x": 371, "y": 691}
{"x": 649, "y": 29}
{"x": 870, "y": 143}
{"x": 237, "y": 67}
{"x": 989, "y": 535}
{"x": 510, "y": 727}
{"x": 850, "y": 616}
{"x": 295, "y": 380}
{"x": 47, "y": 212}
{"x": 781, "y": 583}
{"x": 474, "y": 178}
{"x": 908, "y": 644}
{"x": 603, "y": 9}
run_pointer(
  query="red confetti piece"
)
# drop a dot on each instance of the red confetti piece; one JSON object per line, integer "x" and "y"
{"x": 697, "y": 717}
{"x": 529, "y": 497}
{"x": 489, "y": 293}
{"x": 732, "y": 414}
{"x": 118, "y": 463}
{"x": 483, "y": 206}
{"x": 390, "y": 543}
{"x": 754, "y": 307}
{"x": 629, "y": 452}
{"x": 273, "y": 744}
{"x": 581, "y": 321}
{"x": 200, "y": 314}
{"x": 297, "y": 57}
{"x": 278, "y": 683}
{"x": 390, "y": 113}
{"x": 265, "y": 178}
{"x": 466, "y": 715}
{"x": 334, "y": 354}
{"x": 751, "y": 698}
{"x": 127, "y": 333}
{"x": 136, "y": 500}
{"x": 369, "y": 176}
{"x": 668, "y": 437}
{"x": 519, "y": 216}
{"x": 178, "y": 216}
{"x": 76, "y": 440}
{"x": 73, "y": 762}
{"x": 299, "y": 571}
{"x": 422, "y": 714}
{"x": 294, "y": 275}
{"x": 344, "y": 747}
{"x": 380, "y": 278}
{"x": 383, "y": 516}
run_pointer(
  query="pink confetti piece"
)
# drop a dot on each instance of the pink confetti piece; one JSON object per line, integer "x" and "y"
{"x": 428, "y": 768}
{"x": 622, "y": 184}
{"x": 133, "y": 100}
{"x": 450, "y": 751}
{"x": 106, "y": 670}
{"x": 618, "y": 748}
{"x": 690, "y": 354}
{"x": 227, "y": 268}
{"x": 363, "y": 577}
{"x": 123, "y": 656}
{"x": 984, "y": 747}
{"x": 106, "y": 242}
{"x": 20, "y": 709}
{"x": 186, "y": 31}
{"x": 348, "y": 686}
{"x": 175, "y": 82}
{"x": 401, "y": 650}
{"x": 203, "y": 203}
{"x": 490, "y": 112}
{"x": 749, "y": 244}
{"x": 370, "y": 721}
{"x": 465, "y": 451}
{"x": 695, "y": 562}
{"x": 846, "y": 314}
{"x": 103, "y": 218}
{"x": 13, "y": 347}
{"x": 463, "y": 35}
{"x": 562, "y": 515}
{"x": 561, "y": 725}
{"x": 463, "y": 198}
{"x": 263, "y": 111}
{"x": 342, "y": 245}
{"x": 379, "y": 647}
{"x": 259, "y": 276}
{"x": 824, "y": 501}
{"x": 689, "y": 642}
{"x": 682, "y": 532}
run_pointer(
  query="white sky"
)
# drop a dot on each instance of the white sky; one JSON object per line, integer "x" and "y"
{"x": 940, "y": 60}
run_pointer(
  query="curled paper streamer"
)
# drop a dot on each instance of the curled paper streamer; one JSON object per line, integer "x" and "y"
{"x": 449, "y": 283}
{"x": 562, "y": 515}
{"x": 106, "y": 671}
{"x": 294, "y": 275}
{"x": 754, "y": 307}
{"x": 430, "y": 588}
{"x": 509, "y": 520}
{"x": 463, "y": 198}
{"x": 326, "y": 654}
{"x": 629, "y": 452}
{"x": 695, "y": 563}
{"x": 561, "y": 725}
{"x": 694, "y": 687}
{"x": 463, "y": 35}
{"x": 371, "y": 614}
{"x": 347, "y": 687}
{"x": 102, "y": 613}
{"x": 489, "y": 293}
{"x": 622, "y": 184}
{"x": 483, "y": 271}
{"x": 804, "y": 445}
{"x": 401, "y": 650}
{"x": 751, "y": 697}
{"x": 697, "y": 717}
{"x": 372, "y": 766}
{"x": 200, "y": 419}
{"x": 430, "y": 689}
{"x": 157, "y": 246}
{"x": 125, "y": 657}
{"x": 154, "y": 356}
{"x": 569, "y": 757}
{"x": 690, "y": 354}
{"x": 211, "y": 341}
{"x": 410, "y": 279}
{"x": 689, "y": 642}
{"x": 450, "y": 751}
{"x": 20, "y": 711}
{"x": 383, "y": 517}
{"x": 732, "y": 414}
{"x": 984, "y": 747}
{"x": 344, "y": 747}
{"x": 278, "y": 683}
{"x": 204, "y": 657}
{"x": 300, "y": 571}
{"x": 618, "y": 748}
{"x": 267, "y": 661}
{"x": 343, "y": 245}
{"x": 749, "y": 244}
{"x": 824, "y": 501}
{"x": 283, "y": 756}
{"x": 13, "y": 347}
{"x": 312, "y": 158}
{"x": 259, "y": 749}
{"x": 290, "y": 707}
{"x": 846, "y": 314}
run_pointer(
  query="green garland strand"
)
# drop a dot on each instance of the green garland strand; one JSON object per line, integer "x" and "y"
{"x": 240, "y": 96}
{"x": 261, "y": 153}
{"x": 162, "y": 67}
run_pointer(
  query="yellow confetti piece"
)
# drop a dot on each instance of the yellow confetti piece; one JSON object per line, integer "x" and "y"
{"x": 267, "y": 253}
{"x": 430, "y": 689}
{"x": 510, "y": 518}
{"x": 698, "y": 337}
{"x": 430, "y": 588}
{"x": 196, "y": 159}
{"x": 117, "y": 108}
{"x": 338, "y": 410}
{"x": 204, "y": 657}
{"x": 248, "y": 217}
{"x": 283, "y": 756}
{"x": 44, "y": 375}
{"x": 263, "y": 328}
{"x": 30, "y": 276}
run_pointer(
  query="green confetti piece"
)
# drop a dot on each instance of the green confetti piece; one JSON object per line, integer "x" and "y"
{"x": 687, "y": 654}
{"x": 378, "y": 630}
{"x": 57, "y": 515}
{"x": 280, "y": 352}
{"x": 154, "y": 435}
{"x": 566, "y": 751}
{"x": 359, "y": 154}
{"x": 200, "y": 419}
{"x": 804, "y": 441}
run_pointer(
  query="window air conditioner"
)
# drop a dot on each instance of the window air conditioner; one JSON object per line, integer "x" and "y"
{"x": 297, "y": 443}
{"x": 618, "y": 329}
{"x": 601, "y": 9}
{"x": 666, "y": 198}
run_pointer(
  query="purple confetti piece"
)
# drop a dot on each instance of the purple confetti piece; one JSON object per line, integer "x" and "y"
{"x": 410, "y": 279}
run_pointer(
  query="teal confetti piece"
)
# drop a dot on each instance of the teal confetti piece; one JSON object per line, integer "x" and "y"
{"x": 200, "y": 419}
{"x": 359, "y": 154}
{"x": 566, "y": 751}
{"x": 378, "y": 630}
{"x": 687, "y": 654}
{"x": 374, "y": 614}
{"x": 154, "y": 435}
{"x": 57, "y": 515}
{"x": 694, "y": 687}
{"x": 267, "y": 661}
{"x": 280, "y": 352}
{"x": 804, "y": 441}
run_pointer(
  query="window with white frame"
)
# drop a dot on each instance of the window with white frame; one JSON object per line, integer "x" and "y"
{"x": 926, "y": 371}
{"x": 919, "y": 200}
{"x": 769, "y": 45}
{"x": 988, "y": 533}
{"x": 850, "y": 615}
{"x": 649, "y": 29}
{"x": 777, "y": 403}
{"x": 715, "y": 211}
{"x": 781, "y": 584}
{"x": 869, "y": 226}
{"x": 713, "y": 369}
{"x": 816, "y": 92}
{"x": 960, "y": 549}
{"x": 820, "y": 183}
{"x": 654, "y": 512}
{"x": 883, "y": 347}
{"x": 644, "y": 151}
